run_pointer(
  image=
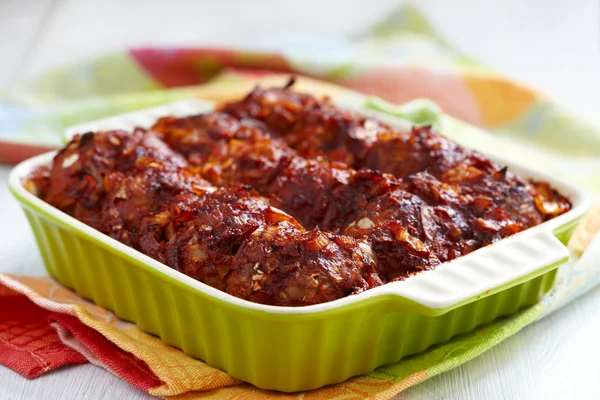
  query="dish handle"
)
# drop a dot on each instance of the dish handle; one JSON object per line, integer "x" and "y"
{"x": 484, "y": 272}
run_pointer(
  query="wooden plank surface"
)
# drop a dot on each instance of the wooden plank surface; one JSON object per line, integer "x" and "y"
{"x": 552, "y": 44}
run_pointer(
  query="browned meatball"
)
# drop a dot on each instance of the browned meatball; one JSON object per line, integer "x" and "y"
{"x": 98, "y": 162}
{"x": 283, "y": 266}
{"x": 204, "y": 247}
{"x": 315, "y": 128}
{"x": 399, "y": 255}
{"x": 125, "y": 185}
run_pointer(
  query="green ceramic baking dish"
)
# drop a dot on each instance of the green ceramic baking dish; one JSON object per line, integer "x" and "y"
{"x": 291, "y": 349}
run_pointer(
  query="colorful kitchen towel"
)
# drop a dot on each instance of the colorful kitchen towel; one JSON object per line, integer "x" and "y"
{"x": 44, "y": 326}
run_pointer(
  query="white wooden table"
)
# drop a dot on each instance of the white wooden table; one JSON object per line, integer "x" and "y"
{"x": 553, "y": 45}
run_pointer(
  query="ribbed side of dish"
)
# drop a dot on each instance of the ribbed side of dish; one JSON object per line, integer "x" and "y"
{"x": 274, "y": 351}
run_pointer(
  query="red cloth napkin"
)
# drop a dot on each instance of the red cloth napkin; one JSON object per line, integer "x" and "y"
{"x": 30, "y": 344}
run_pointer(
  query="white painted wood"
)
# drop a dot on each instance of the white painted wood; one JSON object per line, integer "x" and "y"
{"x": 80, "y": 28}
{"x": 69, "y": 383}
{"x": 552, "y": 44}
{"x": 21, "y": 26}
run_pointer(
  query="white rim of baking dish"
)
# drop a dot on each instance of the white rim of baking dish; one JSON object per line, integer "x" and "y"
{"x": 450, "y": 284}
